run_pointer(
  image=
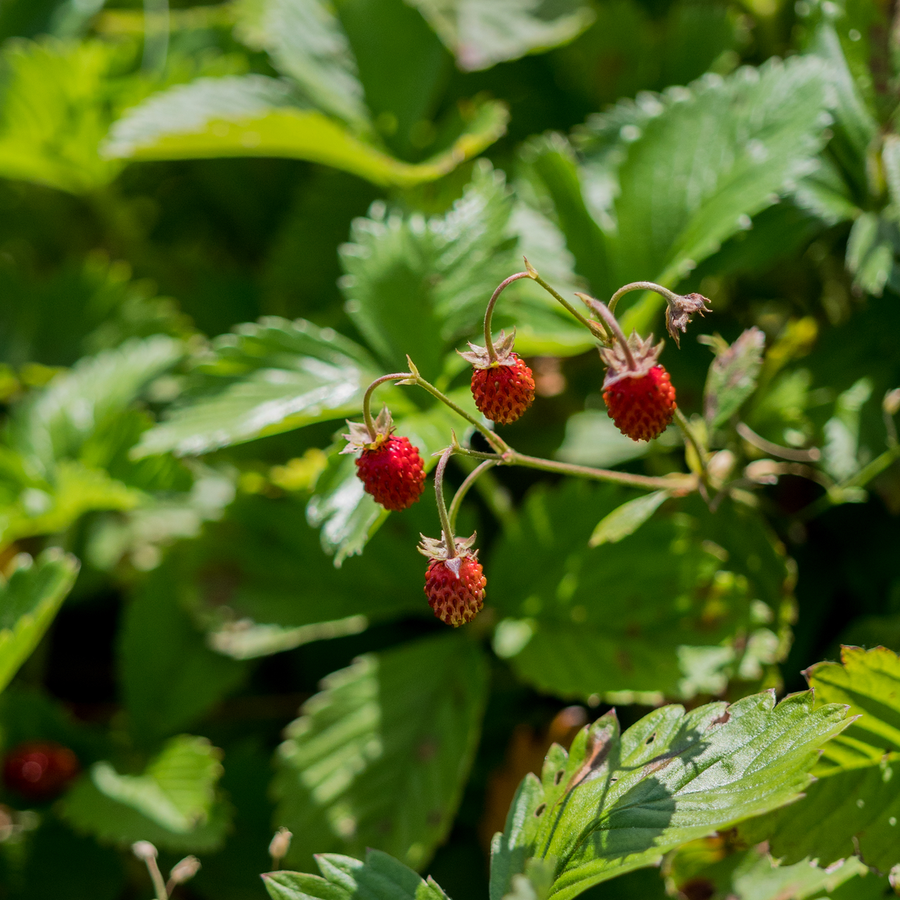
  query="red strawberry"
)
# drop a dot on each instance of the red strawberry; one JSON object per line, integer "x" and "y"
{"x": 39, "y": 770}
{"x": 503, "y": 387}
{"x": 640, "y": 397}
{"x": 454, "y": 587}
{"x": 389, "y": 467}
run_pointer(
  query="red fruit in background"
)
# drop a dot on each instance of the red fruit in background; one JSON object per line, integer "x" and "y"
{"x": 392, "y": 472}
{"x": 503, "y": 391}
{"x": 642, "y": 407}
{"x": 39, "y": 770}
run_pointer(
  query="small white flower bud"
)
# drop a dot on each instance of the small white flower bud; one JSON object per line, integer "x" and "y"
{"x": 184, "y": 871}
{"x": 144, "y": 850}
{"x": 280, "y": 844}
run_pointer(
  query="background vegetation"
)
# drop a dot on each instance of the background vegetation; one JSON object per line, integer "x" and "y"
{"x": 221, "y": 222}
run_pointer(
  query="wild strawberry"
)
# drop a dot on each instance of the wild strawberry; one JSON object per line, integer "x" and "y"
{"x": 503, "y": 387}
{"x": 454, "y": 587}
{"x": 389, "y": 467}
{"x": 638, "y": 392}
{"x": 39, "y": 770}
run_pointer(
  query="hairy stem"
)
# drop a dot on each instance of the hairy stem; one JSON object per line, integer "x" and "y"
{"x": 599, "y": 332}
{"x": 446, "y": 526}
{"x": 612, "y": 324}
{"x": 670, "y": 296}
{"x": 367, "y": 399}
{"x": 463, "y": 489}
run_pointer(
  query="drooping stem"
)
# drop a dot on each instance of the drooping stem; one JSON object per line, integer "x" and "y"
{"x": 670, "y": 296}
{"x": 367, "y": 399}
{"x": 463, "y": 489}
{"x": 489, "y": 312}
{"x": 612, "y": 324}
{"x": 446, "y": 527}
{"x": 598, "y": 332}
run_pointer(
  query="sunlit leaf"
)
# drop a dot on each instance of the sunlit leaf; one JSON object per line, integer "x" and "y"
{"x": 172, "y": 803}
{"x": 379, "y": 757}
{"x": 258, "y": 116}
{"x": 482, "y": 34}
{"x": 615, "y": 802}
{"x": 29, "y": 599}
{"x": 854, "y": 806}
{"x": 732, "y": 377}
{"x": 380, "y": 877}
{"x": 627, "y": 518}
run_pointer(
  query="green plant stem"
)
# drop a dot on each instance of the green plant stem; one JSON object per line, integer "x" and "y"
{"x": 367, "y": 399}
{"x": 600, "y": 333}
{"x": 489, "y": 312}
{"x": 612, "y": 325}
{"x": 446, "y": 526}
{"x": 463, "y": 489}
{"x": 676, "y": 483}
{"x": 670, "y": 296}
{"x": 691, "y": 438}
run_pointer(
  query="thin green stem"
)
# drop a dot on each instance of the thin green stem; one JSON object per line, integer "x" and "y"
{"x": 463, "y": 489}
{"x": 489, "y": 312}
{"x": 159, "y": 884}
{"x": 367, "y": 399}
{"x": 677, "y": 483}
{"x": 670, "y": 296}
{"x": 491, "y": 437}
{"x": 610, "y": 321}
{"x": 690, "y": 436}
{"x": 599, "y": 333}
{"x": 446, "y": 526}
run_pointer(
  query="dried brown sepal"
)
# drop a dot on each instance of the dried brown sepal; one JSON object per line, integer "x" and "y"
{"x": 680, "y": 310}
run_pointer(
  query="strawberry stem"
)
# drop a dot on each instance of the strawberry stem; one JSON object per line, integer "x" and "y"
{"x": 602, "y": 334}
{"x": 488, "y": 343}
{"x": 612, "y": 324}
{"x": 367, "y": 400}
{"x": 446, "y": 527}
{"x": 463, "y": 489}
{"x": 670, "y": 296}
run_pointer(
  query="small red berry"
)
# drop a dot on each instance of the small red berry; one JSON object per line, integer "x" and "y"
{"x": 39, "y": 770}
{"x": 642, "y": 407}
{"x": 454, "y": 587}
{"x": 503, "y": 391}
{"x": 392, "y": 471}
{"x": 502, "y": 385}
{"x": 637, "y": 390}
{"x": 389, "y": 467}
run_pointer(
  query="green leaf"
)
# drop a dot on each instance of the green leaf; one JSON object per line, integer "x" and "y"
{"x": 380, "y": 877}
{"x": 79, "y": 403}
{"x": 306, "y": 41}
{"x": 841, "y": 453}
{"x": 169, "y": 677}
{"x": 44, "y": 85}
{"x": 871, "y": 252}
{"x": 172, "y": 803}
{"x": 29, "y": 600}
{"x": 854, "y": 806}
{"x": 414, "y": 285}
{"x": 617, "y": 803}
{"x": 380, "y": 756}
{"x": 266, "y": 378}
{"x": 482, "y": 34}
{"x": 666, "y": 612}
{"x": 253, "y": 115}
{"x": 627, "y": 518}
{"x": 592, "y": 439}
{"x": 732, "y": 377}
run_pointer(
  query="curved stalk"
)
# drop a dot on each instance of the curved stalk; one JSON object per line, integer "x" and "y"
{"x": 691, "y": 438}
{"x": 463, "y": 489}
{"x": 489, "y": 312}
{"x": 612, "y": 324}
{"x": 670, "y": 296}
{"x": 367, "y": 399}
{"x": 446, "y": 527}
{"x": 600, "y": 334}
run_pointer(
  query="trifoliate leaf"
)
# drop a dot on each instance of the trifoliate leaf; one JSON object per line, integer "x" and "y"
{"x": 29, "y": 600}
{"x": 380, "y": 756}
{"x": 615, "y": 802}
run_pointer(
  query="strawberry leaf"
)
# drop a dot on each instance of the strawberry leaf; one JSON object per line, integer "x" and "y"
{"x": 379, "y": 757}
{"x": 617, "y": 802}
{"x": 732, "y": 377}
